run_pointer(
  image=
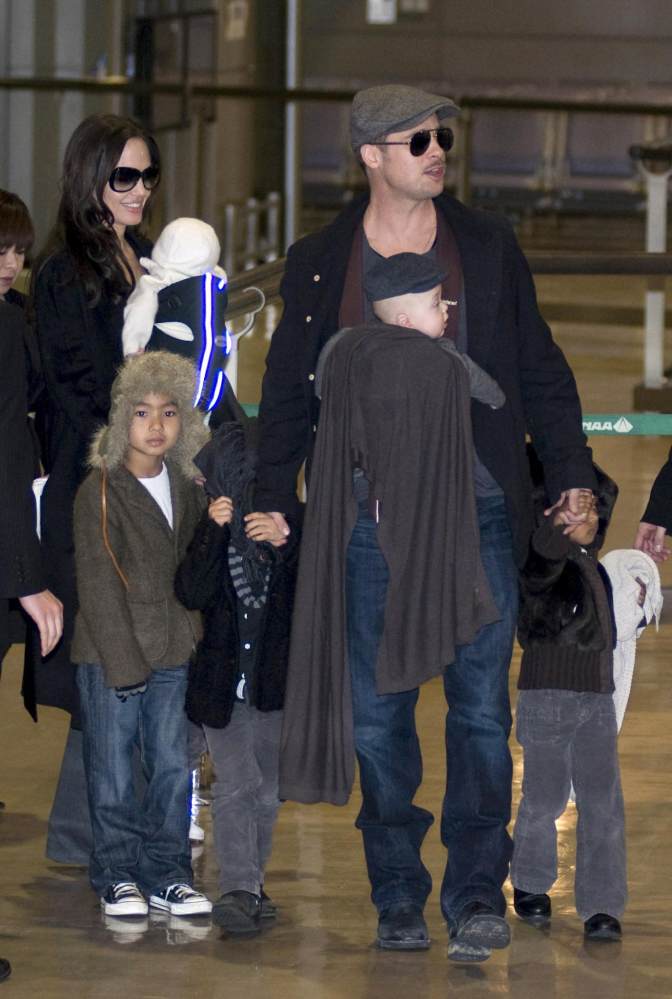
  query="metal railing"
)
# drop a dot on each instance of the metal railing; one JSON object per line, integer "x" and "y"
{"x": 193, "y": 94}
{"x": 268, "y": 276}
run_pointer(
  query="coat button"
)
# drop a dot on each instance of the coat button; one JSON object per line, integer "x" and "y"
{"x": 311, "y": 377}
{"x": 316, "y": 277}
{"x": 314, "y": 428}
{"x": 309, "y": 319}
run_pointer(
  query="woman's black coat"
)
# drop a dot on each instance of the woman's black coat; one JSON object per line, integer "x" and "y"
{"x": 80, "y": 351}
{"x": 203, "y": 582}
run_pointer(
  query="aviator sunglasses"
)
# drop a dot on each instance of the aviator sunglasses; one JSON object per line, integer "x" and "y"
{"x": 125, "y": 178}
{"x": 420, "y": 141}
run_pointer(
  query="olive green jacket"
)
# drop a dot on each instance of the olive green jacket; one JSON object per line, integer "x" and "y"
{"x": 132, "y": 631}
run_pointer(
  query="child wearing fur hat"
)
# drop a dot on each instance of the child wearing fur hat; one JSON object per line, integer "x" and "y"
{"x": 134, "y": 516}
{"x": 565, "y": 716}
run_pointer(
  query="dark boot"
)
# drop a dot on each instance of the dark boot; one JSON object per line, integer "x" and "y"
{"x": 477, "y": 931}
{"x": 402, "y": 927}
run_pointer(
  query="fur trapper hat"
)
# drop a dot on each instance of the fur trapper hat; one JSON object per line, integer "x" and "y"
{"x": 163, "y": 374}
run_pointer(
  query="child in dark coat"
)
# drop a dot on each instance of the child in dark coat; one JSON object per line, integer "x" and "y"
{"x": 565, "y": 718}
{"x": 240, "y": 571}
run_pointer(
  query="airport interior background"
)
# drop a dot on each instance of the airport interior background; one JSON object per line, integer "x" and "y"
{"x": 249, "y": 100}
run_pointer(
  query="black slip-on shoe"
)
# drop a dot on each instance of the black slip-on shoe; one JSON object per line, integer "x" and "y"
{"x": 532, "y": 908}
{"x": 602, "y": 927}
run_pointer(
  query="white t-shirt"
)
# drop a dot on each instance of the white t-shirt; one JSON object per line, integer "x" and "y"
{"x": 159, "y": 488}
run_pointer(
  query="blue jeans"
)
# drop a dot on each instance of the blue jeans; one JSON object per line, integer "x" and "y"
{"x": 143, "y": 841}
{"x": 477, "y": 805}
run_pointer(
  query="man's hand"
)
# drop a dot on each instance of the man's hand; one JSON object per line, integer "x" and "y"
{"x": 46, "y": 611}
{"x": 221, "y": 510}
{"x": 651, "y": 539}
{"x": 280, "y": 523}
{"x": 575, "y": 504}
{"x": 267, "y": 527}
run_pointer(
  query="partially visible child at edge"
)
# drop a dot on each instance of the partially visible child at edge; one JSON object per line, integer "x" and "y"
{"x": 240, "y": 570}
{"x": 134, "y": 515}
{"x": 565, "y": 717}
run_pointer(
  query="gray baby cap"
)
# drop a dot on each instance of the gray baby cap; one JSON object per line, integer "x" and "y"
{"x": 402, "y": 274}
{"x": 393, "y": 107}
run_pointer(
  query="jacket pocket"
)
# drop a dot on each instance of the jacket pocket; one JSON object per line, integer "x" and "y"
{"x": 150, "y": 627}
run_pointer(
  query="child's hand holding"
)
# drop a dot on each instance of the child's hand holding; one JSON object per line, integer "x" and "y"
{"x": 584, "y": 506}
{"x": 263, "y": 527}
{"x": 221, "y": 510}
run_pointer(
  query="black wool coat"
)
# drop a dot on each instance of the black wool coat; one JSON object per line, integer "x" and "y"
{"x": 80, "y": 352}
{"x": 659, "y": 508}
{"x": 203, "y": 582}
{"x": 21, "y": 571}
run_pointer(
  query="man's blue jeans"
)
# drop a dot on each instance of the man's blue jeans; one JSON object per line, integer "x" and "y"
{"x": 143, "y": 841}
{"x": 477, "y": 804}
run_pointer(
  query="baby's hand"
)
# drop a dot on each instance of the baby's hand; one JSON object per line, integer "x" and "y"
{"x": 262, "y": 527}
{"x": 221, "y": 510}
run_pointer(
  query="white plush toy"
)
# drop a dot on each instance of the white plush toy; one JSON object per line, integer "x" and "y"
{"x": 180, "y": 304}
{"x": 187, "y": 248}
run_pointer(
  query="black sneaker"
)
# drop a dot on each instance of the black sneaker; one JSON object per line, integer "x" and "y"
{"x": 238, "y": 912}
{"x": 124, "y": 899}
{"x": 181, "y": 900}
{"x": 5, "y": 969}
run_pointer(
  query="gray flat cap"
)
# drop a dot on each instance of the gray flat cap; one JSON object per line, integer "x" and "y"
{"x": 377, "y": 111}
{"x": 402, "y": 274}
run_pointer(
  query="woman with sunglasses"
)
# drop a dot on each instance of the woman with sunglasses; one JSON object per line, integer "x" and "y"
{"x": 80, "y": 285}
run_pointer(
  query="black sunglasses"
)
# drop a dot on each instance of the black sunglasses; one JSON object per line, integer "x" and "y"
{"x": 420, "y": 141}
{"x": 125, "y": 178}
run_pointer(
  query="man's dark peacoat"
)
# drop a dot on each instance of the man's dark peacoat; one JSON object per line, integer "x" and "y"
{"x": 506, "y": 336}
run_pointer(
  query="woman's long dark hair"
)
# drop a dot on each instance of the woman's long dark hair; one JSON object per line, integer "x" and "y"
{"x": 84, "y": 222}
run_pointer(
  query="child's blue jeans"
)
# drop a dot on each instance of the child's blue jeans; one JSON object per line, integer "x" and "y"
{"x": 570, "y": 737}
{"x": 142, "y": 841}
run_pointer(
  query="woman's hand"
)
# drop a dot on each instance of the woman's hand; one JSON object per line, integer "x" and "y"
{"x": 651, "y": 539}
{"x": 221, "y": 510}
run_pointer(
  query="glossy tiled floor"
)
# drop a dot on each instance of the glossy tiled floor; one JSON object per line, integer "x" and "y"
{"x": 50, "y": 923}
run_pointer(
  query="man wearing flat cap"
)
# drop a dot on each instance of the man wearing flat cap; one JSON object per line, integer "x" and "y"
{"x": 401, "y": 137}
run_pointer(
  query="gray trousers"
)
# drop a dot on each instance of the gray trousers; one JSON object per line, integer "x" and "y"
{"x": 571, "y": 738}
{"x": 245, "y": 758}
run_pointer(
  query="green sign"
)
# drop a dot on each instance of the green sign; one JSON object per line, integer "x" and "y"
{"x": 596, "y": 424}
{"x": 628, "y": 424}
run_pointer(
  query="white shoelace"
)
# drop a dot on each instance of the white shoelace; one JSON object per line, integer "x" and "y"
{"x": 182, "y": 890}
{"x": 125, "y": 888}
